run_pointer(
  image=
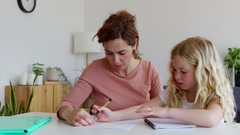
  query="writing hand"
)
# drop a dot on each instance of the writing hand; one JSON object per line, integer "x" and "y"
{"x": 102, "y": 113}
{"x": 79, "y": 117}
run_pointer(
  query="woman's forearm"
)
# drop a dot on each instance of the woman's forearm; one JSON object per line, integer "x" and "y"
{"x": 62, "y": 111}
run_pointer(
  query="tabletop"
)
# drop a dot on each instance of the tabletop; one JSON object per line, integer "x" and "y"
{"x": 60, "y": 127}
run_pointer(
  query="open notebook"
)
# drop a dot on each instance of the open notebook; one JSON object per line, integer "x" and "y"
{"x": 22, "y": 124}
{"x": 165, "y": 123}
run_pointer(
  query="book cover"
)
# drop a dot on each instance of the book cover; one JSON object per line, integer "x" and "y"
{"x": 22, "y": 124}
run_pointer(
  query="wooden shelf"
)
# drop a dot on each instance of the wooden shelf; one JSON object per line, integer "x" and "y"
{"x": 52, "y": 82}
{"x": 46, "y": 97}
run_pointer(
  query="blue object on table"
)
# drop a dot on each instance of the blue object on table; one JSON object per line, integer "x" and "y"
{"x": 22, "y": 124}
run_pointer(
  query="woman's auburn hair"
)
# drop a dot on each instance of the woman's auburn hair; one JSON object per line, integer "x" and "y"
{"x": 120, "y": 25}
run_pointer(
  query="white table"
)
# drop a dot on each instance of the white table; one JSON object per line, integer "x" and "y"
{"x": 59, "y": 127}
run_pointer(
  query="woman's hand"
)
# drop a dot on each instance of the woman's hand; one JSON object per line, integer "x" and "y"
{"x": 78, "y": 117}
{"x": 153, "y": 111}
{"x": 102, "y": 113}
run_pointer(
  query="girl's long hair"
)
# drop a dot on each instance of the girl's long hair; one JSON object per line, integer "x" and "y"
{"x": 209, "y": 73}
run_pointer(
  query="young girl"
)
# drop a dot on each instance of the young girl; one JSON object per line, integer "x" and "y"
{"x": 198, "y": 91}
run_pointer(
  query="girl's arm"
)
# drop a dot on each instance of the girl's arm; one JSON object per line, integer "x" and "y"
{"x": 209, "y": 117}
{"x": 129, "y": 113}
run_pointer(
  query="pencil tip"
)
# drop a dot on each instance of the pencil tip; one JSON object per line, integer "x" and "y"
{"x": 110, "y": 99}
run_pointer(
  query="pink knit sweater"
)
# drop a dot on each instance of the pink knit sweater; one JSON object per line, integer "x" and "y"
{"x": 97, "y": 79}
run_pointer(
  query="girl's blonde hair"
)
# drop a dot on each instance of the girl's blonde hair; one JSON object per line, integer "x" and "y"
{"x": 210, "y": 76}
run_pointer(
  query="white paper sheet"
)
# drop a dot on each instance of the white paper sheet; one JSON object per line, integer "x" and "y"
{"x": 118, "y": 125}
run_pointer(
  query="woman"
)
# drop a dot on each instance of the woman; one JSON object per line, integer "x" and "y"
{"x": 122, "y": 76}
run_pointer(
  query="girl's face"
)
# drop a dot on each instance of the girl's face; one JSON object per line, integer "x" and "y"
{"x": 118, "y": 54}
{"x": 184, "y": 74}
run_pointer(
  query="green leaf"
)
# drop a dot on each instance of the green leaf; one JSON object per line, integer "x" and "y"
{"x": 2, "y": 110}
{"x": 37, "y": 68}
{"x": 29, "y": 101}
{"x": 13, "y": 108}
{"x": 232, "y": 58}
{"x": 20, "y": 108}
{"x": 35, "y": 78}
{"x": 13, "y": 102}
{"x": 7, "y": 111}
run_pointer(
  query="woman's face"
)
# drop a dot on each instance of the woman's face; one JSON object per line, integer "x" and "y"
{"x": 184, "y": 74}
{"x": 118, "y": 53}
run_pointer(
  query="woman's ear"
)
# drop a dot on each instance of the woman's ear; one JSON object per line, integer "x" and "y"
{"x": 136, "y": 44}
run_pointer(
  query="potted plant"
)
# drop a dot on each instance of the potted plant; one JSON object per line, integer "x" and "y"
{"x": 53, "y": 74}
{"x": 37, "y": 69}
{"x": 57, "y": 74}
{"x": 232, "y": 60}
{"x": 13, "y": 108}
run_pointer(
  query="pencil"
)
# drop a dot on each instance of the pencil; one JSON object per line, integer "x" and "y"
{"x": 107, "y": 103}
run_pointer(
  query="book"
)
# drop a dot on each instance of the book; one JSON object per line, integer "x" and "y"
{"x": 165, "y": 123}
{"x": 22, "y": 124}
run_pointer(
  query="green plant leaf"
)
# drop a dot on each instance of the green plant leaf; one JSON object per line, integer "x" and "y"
{"x": 37, "y": 68}
{"x": 35, "y": 78}
{"x": 13, "y": 101}
{"x": 2, "y": 109}
{"x": 20, "y": 108}
{"x": 29, "y": 101}
{"x": 233, "y": 58}
{"x": 13, "y": 108}
{"x": 7, "y": 111}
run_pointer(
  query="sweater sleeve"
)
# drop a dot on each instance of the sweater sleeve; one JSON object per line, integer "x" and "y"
{"x": 78, "y": 95}
{"x": 156, "y": 85}
{"x": 80, "y": 91}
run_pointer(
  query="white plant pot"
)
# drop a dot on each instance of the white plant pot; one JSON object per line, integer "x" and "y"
{"x": 23, "y": 79}
{"x": 52, "y": 74}
{"x": 30, "y": 79}
{"x": 39, "y": 80}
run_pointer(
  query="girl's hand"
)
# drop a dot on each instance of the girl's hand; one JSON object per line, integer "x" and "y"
{"x": 102, "y": 113}
{"x": 153, "y": 111}
{"x": 79, "y": 117}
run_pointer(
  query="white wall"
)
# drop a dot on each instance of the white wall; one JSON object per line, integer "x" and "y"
{"x": 43, "y": 36}
{"x": 164, "y": 23}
